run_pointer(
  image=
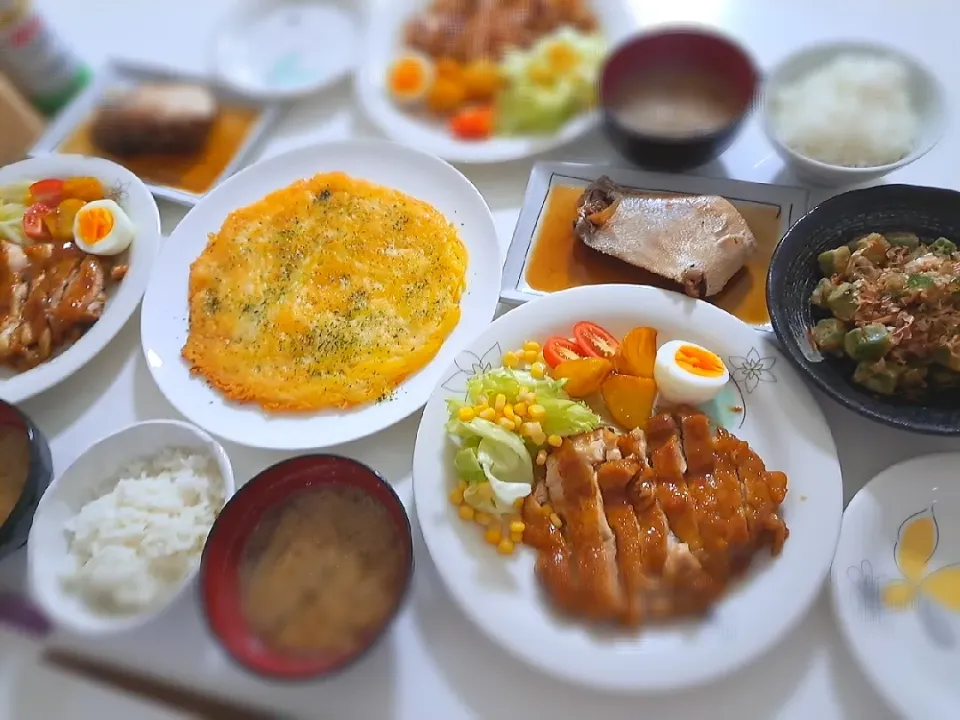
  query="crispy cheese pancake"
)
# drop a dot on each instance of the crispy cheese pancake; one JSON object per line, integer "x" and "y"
{"x": 327, "y": 293}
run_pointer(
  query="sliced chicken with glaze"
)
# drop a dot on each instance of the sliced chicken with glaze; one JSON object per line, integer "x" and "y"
{"x": 654, "y": 525}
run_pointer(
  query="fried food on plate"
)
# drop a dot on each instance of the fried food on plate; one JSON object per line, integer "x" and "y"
{"x": 326, "y": 293}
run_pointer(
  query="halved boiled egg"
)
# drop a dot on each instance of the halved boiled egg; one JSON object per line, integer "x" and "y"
{"x": 410, "y": 77}
{"x": 102, "y": 227}
{"x": 688, "y": 374}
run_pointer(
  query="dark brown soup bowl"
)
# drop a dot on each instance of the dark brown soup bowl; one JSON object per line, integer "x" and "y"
{"x": 16, "y": 526}
{"x": 225, "y": 546}
{"x": 689, "y": 50}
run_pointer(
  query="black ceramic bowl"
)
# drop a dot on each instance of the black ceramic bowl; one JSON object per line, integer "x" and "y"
{"x": 16, "y": 526}
{"x": 929, "y": 212}
{"x": 220, "y": 564}
{"x": 694, "y": 50}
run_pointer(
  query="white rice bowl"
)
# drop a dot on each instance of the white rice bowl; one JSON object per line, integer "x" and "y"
{"x": 133, "y": 544}
{"x": 117, "y": 538}
{"x": 854, "y": 110}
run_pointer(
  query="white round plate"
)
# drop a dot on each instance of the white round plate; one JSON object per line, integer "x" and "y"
{"x": 285, "y": 49}
{"x": 384, "y": 42}
{"x": 896, "y": 584}
{"x": 502, "y": 596}
{"x": 164, "y": 319}
{"x": 122, "y": 299}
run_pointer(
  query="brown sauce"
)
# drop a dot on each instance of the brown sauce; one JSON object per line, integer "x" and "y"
{"x": 322, "y": 572}
{"x": 675, "y": 104}
{"x": 193, "y": 173}
{"x": 558, "y": 260}
{"x": 14, "y": 466}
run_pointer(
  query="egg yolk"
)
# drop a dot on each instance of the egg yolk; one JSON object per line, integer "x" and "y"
{"x": 697, "y": 361}
{"x": 407, "y": 75}
{"x": 95, "y": 225}
{"x": 562, "y": 57}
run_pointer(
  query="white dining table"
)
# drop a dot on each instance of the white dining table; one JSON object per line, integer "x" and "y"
{"x": 434, "y": 663}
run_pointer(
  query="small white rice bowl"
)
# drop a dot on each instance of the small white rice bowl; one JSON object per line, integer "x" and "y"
{"x": 130, "y": 546}
{"x": 853, "y": 110}
{"x": 119, "y": 534}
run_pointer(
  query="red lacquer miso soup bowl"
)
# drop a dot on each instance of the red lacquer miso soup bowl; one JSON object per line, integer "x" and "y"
{"x": 306, "y": 567}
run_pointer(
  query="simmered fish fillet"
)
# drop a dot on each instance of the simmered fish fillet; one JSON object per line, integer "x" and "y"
{"x": 698, "y": 241}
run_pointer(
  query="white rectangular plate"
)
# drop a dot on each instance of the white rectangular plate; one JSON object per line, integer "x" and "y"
{"x": 124, "y": 74}
{"x": 792, "y": 203}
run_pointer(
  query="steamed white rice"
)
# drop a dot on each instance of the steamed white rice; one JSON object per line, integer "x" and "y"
{"x": 135, "y": 543}
{"x": 854, "y": 111}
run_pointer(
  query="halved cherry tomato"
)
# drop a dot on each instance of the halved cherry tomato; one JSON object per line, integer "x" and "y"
{"x": 49, "y": 191}
{"x": 584, "y": 375}
{"x": 594, "y": 341}
{"x": 557, "y": 350}
{"x": 638, "y": 353}
{"x": 33, "y": 224}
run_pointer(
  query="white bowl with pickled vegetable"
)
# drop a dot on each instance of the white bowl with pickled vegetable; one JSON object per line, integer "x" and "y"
{"x": 70, "y": 194}
{"x": 483, "y": 560}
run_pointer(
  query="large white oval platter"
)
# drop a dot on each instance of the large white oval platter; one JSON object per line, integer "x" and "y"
{"x": 383, "y": 43}
{"x": 780, "y": 420}
{"x": 122, "y": 298}
{"x": 164, "y": 321}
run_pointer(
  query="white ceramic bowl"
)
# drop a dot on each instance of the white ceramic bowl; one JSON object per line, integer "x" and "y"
{"x": 927, "y": 95}
{"x": 82, "y": 482}
{"x": 122, "y": 299}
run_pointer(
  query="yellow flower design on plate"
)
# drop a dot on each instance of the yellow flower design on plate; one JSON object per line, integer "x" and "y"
{"x": 916, "y": 545}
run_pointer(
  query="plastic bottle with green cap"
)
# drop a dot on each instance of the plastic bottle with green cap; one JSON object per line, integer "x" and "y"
{"x": 36, "y": 60}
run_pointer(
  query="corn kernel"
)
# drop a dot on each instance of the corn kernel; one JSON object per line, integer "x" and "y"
{"x": 507, "y": 424}
{"x": 499, "y": 402}
{"x": 481, "y": 518}
{"x": 466, "y": 512}
{"x": 531, "y": 345}
{"x": 466, "y": 414}
{"x": 484, "y": 491}
{"x": 546, "y": 509}
{"x": 456, "y": 496}
{"x": 492, "y": 535}
{"x": 517, "y": 526}
{"x": 536, "y": 412}
{"x": 480, "y": 407}
{"x": 516, "y": 538}
{"x": 505, "y": 546}
{"x": 510, "y": 359}
{"x": 488, "y": 414}
{"x": 554, "y": 441}
{"x": 537, "y": 370}
{"x": 530, "y": 356}
{"x": 518, "y": 503}
{"x": 555, "y": 520}
{"x": 538, "y": 438}
{"x": 542, "y": 458}
{"x": 520, "y": 409}
{"x": 508, "y": 412}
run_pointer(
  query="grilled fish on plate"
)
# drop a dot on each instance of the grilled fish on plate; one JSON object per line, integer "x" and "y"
{"x": 697, "y": 241}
